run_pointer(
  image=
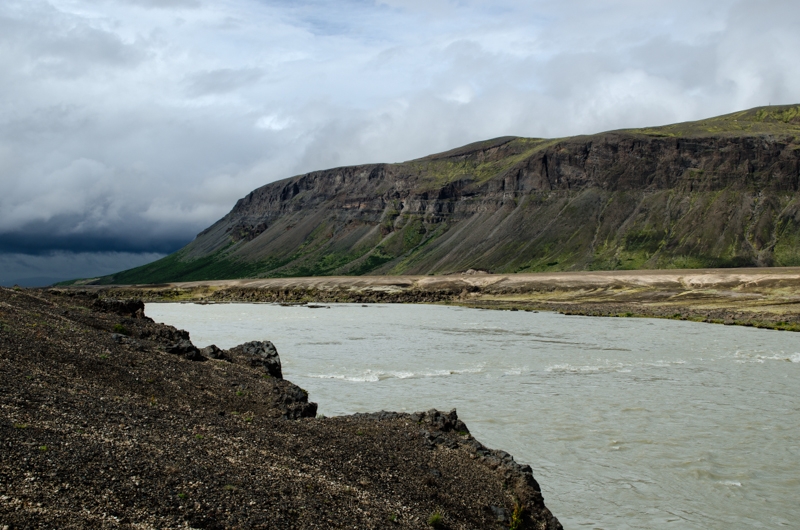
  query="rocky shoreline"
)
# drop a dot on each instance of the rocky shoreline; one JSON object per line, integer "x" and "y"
{"x": 110, "y": 420}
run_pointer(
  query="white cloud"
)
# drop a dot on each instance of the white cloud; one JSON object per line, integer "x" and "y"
{"x": 461, "y": 94}
{"x": 146, "y": 120}
{"x": 79, "y": 188}
{"x": 273, "y": 122}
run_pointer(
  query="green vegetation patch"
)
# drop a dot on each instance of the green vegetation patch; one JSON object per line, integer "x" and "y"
{"x": 704, "y": 262}
{"x": 418, "y": 253}
{"x": 176, "y": 267}
{"x": 786, "y": 252}
{"x": 783, "y": 119}
{"x": 371, "y": 262}
{"x": 779, "y": 114}
{"x": 324, "y": 263}
{"x": 413, "y": 233}
{"x": 474, "y": 167}
{"x": 436, "y": 520}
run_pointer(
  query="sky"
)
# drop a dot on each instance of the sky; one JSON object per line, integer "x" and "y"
{"x": 128, "y": 126}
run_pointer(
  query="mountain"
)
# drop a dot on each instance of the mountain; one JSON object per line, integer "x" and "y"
{"x": 719, "y": 192}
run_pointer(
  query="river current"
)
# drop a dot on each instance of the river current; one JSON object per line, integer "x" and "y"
{"x": 626, "y": 422}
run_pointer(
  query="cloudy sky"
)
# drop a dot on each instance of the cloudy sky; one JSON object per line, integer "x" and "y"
{"x": 127, "y": 126}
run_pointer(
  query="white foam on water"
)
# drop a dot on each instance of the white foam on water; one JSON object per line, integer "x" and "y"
{"x": 665, "y": 363}
{"x": 366, "y": 377}
{"x": 478, "y": 368}
{"x": 443, "y": 373}
{"x": 569, "y": 368}
{"x": 589, "y": 368}
{"x": 374, "y": 376}
{"x": 741, "y": 357}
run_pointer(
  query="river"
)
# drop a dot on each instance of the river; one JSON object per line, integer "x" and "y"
{"x": 626, "y": 422}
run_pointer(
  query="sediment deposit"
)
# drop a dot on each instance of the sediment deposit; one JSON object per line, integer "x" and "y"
{"x": 762, "y": 297}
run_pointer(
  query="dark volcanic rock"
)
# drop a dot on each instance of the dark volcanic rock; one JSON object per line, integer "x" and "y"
{"x": 213, "y": 352}
{"x": 127, "y": 308}
{"x": 293, "y": 402}
{"x": 445, "y": 422}
{"x": 111, "y": 431}
{"x": 440, "y": 429}
{"x": 185, "y": 348}
{"x": 262, "y": 354}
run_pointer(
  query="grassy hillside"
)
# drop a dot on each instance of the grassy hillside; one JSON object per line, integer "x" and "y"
{"x": 719, "y": 192}
{"x": 776, "y": 120}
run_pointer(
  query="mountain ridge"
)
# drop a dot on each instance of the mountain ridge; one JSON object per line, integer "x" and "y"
{"x": 718, "y": 192}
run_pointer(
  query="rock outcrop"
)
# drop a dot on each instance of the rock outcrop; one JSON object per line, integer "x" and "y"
{"x": 260, "y": 354}
{"x": 106, "y": 422}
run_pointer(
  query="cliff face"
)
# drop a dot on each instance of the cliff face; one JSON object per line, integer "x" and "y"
{"x": 715, "y": 193}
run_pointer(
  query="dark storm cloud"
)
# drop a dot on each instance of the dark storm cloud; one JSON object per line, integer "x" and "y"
{"x": 131, "y": 125}
{"x": 41, "y": 270}
{"x": 221, "y": 81}
{"x": 37, "y": 240}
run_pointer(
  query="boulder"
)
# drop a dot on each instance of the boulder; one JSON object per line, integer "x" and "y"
{"x": 261, "y": 354}
{"x": 213, "y": 352}
{"x": 441, "y": 421}
{"x": 186, "y": 349}
{"x": 125, "y": 308}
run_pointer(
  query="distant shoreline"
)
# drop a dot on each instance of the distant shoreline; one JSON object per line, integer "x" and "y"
{"x": 759, "y": 297}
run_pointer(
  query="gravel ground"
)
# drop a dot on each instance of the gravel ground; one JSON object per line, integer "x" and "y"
{"x": 108, "y": 420}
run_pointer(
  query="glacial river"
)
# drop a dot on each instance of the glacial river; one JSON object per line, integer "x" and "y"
{"x": 627, "y": 423}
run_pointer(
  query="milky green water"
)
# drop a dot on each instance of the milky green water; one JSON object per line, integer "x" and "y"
{"x": 627, "y": 423}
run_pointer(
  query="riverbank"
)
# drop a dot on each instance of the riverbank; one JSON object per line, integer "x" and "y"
{"x": 760, "y": 297}
{"x": 112, "y": 420}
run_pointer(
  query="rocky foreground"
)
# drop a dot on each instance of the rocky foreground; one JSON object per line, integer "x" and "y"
{"x": 110, "y": 420}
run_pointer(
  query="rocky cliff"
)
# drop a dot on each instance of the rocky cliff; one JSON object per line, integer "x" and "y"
{"x": 720, "y": 192}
